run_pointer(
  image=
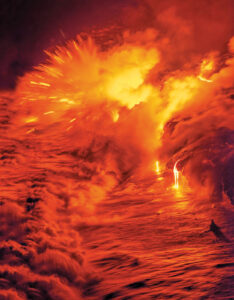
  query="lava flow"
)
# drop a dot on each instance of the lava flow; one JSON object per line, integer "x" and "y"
{"x": 117, "y": 153}
{"x": 176, "y": 176}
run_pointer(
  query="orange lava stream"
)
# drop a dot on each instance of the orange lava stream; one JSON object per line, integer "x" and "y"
{"x": 176, "y": 176}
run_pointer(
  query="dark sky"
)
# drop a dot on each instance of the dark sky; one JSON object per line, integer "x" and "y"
{"x": 29, "y": 26}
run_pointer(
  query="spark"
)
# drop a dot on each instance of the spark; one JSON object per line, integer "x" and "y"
{"x": 40, "y": 83}
{"x": 65, "y": 100}
{"x": 30, "y": 130}
{"x": 49, "y": 112}
{"x": 31, "y": 120}
{"x": 68, "y": 128}
{"x": 72, "y": 120}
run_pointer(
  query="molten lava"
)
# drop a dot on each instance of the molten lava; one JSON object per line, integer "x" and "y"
{"x": 157, "y": 168}
{"x": 176, "y": 176}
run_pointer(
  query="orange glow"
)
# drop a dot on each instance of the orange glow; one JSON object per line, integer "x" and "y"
{"x": 118, "y": 78}
{"x": 116, "y": 101}
{"x": 117, "y": 149}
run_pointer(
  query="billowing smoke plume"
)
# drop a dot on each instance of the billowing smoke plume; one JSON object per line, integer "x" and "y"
{"x": 113, "y": 104}
{"x": 201, "y": 134}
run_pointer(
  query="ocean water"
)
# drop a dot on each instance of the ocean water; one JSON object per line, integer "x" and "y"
{"x": 157, "y": 246}
{"x": 140, "y": 239}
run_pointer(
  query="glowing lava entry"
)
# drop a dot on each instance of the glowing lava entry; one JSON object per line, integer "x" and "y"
{"x": 176, "y": 176}
{"x": 157, "y": 168}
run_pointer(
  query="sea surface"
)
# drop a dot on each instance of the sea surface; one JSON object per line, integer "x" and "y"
{"x": 141, "y": 240}
{"x": 157, "y": 246}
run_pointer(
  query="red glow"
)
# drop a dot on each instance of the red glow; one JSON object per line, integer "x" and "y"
{"x": 114, "y": 160}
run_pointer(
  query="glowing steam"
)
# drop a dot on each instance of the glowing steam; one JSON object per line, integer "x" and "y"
{"x": 117, "y": 107}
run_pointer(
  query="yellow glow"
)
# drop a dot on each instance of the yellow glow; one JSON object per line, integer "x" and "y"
{"x": 160, "y": 178}
{"x": 115, "y": 116}
{"x": 157, "y": 168}
{"x": 31, "y": 120}
{"x": 178, "y": 92}
{"x": 207, "y": 65}
{"x": 127, "y": 83}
